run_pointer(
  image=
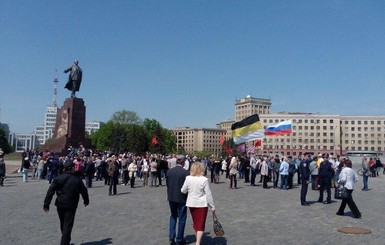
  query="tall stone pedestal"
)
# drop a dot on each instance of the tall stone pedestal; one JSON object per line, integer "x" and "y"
{"x": 70, "y": 127}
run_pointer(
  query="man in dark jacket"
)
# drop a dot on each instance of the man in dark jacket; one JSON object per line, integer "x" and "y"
{"x": 2, "y": 171}
{"x": 67, "y": 188}
{"x": 177, "y": 201}
{"x": 304, "y": 172}
{"x": 325, "y": 175}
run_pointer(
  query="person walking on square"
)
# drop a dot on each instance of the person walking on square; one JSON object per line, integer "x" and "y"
{"x": 276, "y": 164}
{"x": 325, "y": 176}
{"x": 199, "y": 198}
{"x": 233, "y": 172}
{"x": 347, "y": 178}
{"x": 253, "y": 170}
{"x": 304, "y": 171}
{"x": 264, "y": 173}
{"x": 132, "y": 168}
{"x": 67, "y": 187}
{"x": 113, "y": 173}
{"x": 314, "y": 174}
{"x": 145, "y": 170}
{"x": 284, "y": 172}
{"x": 26, "y": 164}
{"x": 2, "y": 171}
{"x": 292, "y": 171}
{"x": 177, "y": 201}
{"x": 365, "y": 174}
{"x": 153, "y": 172}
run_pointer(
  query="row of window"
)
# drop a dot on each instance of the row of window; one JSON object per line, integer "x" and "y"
{"x": 330, "y": 121}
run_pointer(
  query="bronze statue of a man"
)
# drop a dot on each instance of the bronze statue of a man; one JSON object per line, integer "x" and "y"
{"x": 74, "y": 78}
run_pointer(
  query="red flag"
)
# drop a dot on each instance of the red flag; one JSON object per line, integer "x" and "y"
{"x": 222, "y": 140}
{"x": 258, "y": 143}
{"x": 154, "y": 140}
{"x": 231, "y": 152}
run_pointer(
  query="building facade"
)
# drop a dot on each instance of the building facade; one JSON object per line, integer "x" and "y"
{"x": 313, "y": 133}
{"x": 250, "y": 106}
{"x": 22, "y": 142}
{"x": 45, "y": 131}
{"x": 193, "y": 140}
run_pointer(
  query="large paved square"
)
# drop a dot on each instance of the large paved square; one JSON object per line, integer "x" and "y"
{"x": 249, "y": 215}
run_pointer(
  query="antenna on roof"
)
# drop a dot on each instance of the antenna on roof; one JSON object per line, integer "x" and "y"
{"x": 55, "y": 82}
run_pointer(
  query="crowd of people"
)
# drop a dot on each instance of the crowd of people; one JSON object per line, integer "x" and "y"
{"x": 185, "y": 177}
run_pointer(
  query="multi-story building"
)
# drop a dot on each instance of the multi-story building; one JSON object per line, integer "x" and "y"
{"x": 22, "y": 142}
{"x": 314, "y": 133}
{"x": 45, "y": 131}
{"x": 198, "y": 139}
{"x": 250, "y": 106}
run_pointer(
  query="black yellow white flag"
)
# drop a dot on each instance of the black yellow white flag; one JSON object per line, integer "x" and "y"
{"x": 249, "y": 128}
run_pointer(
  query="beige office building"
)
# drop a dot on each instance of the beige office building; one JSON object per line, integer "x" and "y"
{"x": 313, "y": 133}
{"x": 198, "y": 139}
{"x": 250, "y": 106}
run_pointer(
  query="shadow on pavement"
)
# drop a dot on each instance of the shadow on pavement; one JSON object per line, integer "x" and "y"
{"x": 101, "y": 242}
{"x": 207, "y": 239}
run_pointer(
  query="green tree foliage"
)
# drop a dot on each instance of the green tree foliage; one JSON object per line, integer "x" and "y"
{"x": 126, "y": 117}
{"x": 4, "y": 143}
{"x": 164, "y": 137}
{"x": 133, "y": 137}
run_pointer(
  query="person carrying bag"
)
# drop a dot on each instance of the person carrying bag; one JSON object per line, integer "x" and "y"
{"x": 347, "y": 178}
{"x": 218, "y": 229}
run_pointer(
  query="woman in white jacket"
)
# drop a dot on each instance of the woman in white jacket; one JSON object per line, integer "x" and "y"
{"x": 347, "y": 178}
{"x": 132, "y": 168}
{"x": 198, "y": 199}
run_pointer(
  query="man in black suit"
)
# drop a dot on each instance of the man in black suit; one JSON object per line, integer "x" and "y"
{"x": 304, "y": 172}
{"x": 177, "y": 201}
{"x": 325, "y": 175}
{"x": 67, "y": 187}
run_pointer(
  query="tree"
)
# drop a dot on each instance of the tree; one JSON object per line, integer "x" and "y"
{"x": 4, "y": 143}
{"x": 126, "y": 117}
{"x": 133, "y": 137}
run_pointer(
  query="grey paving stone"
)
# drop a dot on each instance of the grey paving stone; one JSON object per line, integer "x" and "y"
{"x": 249, "y": 215}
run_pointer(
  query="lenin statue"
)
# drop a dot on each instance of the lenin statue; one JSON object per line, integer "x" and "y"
{"x": 74, "y": 78}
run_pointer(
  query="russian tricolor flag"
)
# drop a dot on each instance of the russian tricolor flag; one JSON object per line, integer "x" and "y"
{"x": 279, "y": 129}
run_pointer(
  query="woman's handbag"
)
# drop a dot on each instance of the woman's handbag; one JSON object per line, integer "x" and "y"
{"x": 341, "y": 192}
{"x": 218, "y": 229}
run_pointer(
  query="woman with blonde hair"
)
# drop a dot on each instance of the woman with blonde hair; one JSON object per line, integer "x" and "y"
{"x": 199, "y": 198}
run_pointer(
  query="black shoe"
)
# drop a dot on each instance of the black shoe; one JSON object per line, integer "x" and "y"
{"x": 327, "y": 202}
{"x": 340, "y": 214}
{"x": 172, "y": 242}
{"x": 305, "y": 204}
{"x": 110, "y": 194}
{"x": 357, "y": 216}
{"x": 320, "y": 201}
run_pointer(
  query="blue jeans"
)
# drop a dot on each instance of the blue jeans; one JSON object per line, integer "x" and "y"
{"x": 25, "y": 174}
{"x": 365, "y": 180}
{"x": 178, "y": 211}
{"x": 284, "y": 182}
